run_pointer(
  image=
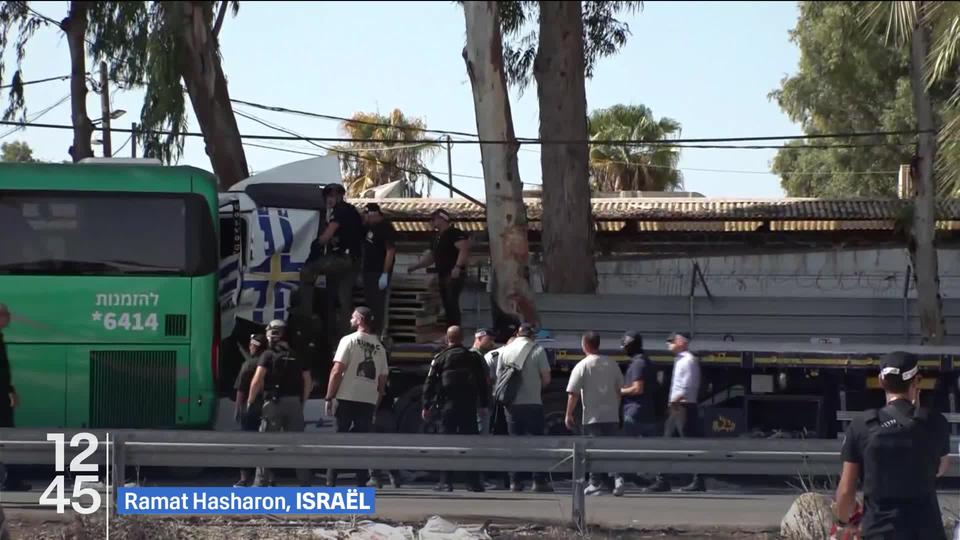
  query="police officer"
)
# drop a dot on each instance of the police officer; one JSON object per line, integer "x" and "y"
{"x": 899, "y": 451}
{"x": 285, "y": 382}
{"x": 336, "y": 254}
{"x": 249, "y": 417}
{"x": 456, "y": 383}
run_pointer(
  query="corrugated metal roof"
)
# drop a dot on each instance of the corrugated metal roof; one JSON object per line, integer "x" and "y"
{"x": 695, "y": 209}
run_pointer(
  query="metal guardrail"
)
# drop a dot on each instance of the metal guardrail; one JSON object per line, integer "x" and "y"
{"x": 576, "y": 455}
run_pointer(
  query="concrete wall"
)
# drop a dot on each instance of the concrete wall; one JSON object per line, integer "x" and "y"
{"x": 837, "y": 273}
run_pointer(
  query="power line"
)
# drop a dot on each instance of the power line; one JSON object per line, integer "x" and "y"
{"x": 38, "y": 81}
{"x": 314, "y": 140}
{"x": 637, "y": 142}
{"x": 274, "y": 108}
{"x": 124, "y": 145}
{"x": 38, "y": 116}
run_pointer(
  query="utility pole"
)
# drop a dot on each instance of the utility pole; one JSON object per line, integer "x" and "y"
{"x": 450, "y": 164}
{"x": 105, "y": 109}
{"x": 133, "y": 140}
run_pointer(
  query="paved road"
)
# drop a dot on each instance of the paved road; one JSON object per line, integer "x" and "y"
{"x": 758, "y": 510}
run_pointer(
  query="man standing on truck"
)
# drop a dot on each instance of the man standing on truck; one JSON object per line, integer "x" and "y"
{"x": 456, "y": 383}
{"x": 683, "y": 419}
{"x": 285, "y": 383}
{"x": 336, "y": 254}
{"x": 379, "y": 252}
{"x": 8, "y": 402}
{"x": 525, "y": 359}
{"x": 357, "y": 382}
{"x": 898, "y": 451}
{"x": 596, "y": 382}
{"x": 449, "y": 251}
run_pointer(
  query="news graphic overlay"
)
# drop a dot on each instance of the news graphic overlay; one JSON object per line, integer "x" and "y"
{"x": 82, "y": 496}
{"x": 245, "y": 500}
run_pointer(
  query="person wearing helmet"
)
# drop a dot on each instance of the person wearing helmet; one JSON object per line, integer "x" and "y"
{"x": 285, "y": 383}
{"x": 336, "y": 254}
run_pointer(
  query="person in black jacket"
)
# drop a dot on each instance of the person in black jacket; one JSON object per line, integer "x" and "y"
{"x": 249, "y": 417}
{"x": 8, "y": 402}
{"x": 457, "y": 384}
{"x": 898, "y": 451}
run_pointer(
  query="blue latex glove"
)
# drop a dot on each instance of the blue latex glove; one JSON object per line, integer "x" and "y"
{"x": 382, "y": 283}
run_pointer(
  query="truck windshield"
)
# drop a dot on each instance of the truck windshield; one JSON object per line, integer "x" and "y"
{"x": 84, "y": 233}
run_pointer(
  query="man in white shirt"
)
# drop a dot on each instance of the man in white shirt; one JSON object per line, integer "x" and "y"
{"x": 357, "y": 382}
{"x": 596, "y": 381}
{"x": 683, "y": 418}
{"x": 525, "y": 413}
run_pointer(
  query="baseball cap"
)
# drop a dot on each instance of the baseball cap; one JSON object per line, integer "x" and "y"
{"x": 681, "y": 335}
{"x": 440, "y": 213}
{"x": 258, "y": 339}
{"x": 899, "y": 363}
{"x": 373, "y": 207}
{"x": 484, "y": 332}
{"x": 333, "y": 188}
{"x": 525, "y": 330}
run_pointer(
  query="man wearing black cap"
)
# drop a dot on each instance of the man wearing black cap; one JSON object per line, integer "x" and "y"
{"x": 449, "y": 251}
{"x": 524, "y": 412}
{"x": 899, "y": 451}
{"x": 336, "y": 254}
{"x": 683, "y": 419}
{"x": 379, "y": 252}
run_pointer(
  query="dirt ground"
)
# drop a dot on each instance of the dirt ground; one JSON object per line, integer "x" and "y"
{"x": 139, "y": 528}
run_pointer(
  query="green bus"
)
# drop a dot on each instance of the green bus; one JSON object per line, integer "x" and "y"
{"x": 110, "y": 272}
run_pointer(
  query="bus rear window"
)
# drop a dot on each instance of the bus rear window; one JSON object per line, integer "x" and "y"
{"x": 68, "y": 232}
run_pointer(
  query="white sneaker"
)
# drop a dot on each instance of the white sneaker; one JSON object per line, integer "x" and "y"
{"x": 593, "y": 490}
{"x": 618, "y": 488}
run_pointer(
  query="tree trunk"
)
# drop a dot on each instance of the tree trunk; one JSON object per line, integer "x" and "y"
{"x": 75, "y": 28}
{"x": 567, "y": 214}
{"x": 922, "y": 247}
{"x": 207, "y": 86}
{"x": 506, "y": 213}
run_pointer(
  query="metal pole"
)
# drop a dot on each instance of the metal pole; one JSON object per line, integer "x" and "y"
{"x": 450, "y": 164}
{"x": 579, "y": 505}
{"x": 133, "y": 140}
{"x": 105, "y": 109}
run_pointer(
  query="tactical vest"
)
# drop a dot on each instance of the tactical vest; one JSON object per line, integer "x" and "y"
{"x": 284, "y": 376}
{"x": 899, "y": 455}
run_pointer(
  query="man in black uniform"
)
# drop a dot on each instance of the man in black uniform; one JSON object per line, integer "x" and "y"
{"x": 456, "y": 383}
{"x": 899, "y": 451}
{"x": 336, "y": 254}
{"x": 449, "y": 251}
{"x": 285, "y": 382}
{"x": 8, "y": 402}
{"x": 249, "y": 417}
{"x": 379, "y": 252}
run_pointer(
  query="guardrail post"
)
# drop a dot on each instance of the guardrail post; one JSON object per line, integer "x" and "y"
{"x": 579, "y": 505}
{"x": 119, "y": 469}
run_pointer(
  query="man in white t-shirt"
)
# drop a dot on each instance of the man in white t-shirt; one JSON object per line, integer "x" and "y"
{"x": 357, "y": 382}
{"x": 596, "y": 382}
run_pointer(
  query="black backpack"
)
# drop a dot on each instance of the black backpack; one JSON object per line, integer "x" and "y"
{"x": 281, "y": 372}
{"x": 509, "y": 376}
{"x": 901, "y": 453}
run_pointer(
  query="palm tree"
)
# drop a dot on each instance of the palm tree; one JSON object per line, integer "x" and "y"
{"x": 648, "y": 167}
{"x": 930, "y": 28}
{"x": 367, "y": 164}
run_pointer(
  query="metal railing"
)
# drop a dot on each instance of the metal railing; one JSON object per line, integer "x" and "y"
{"x": 419, "y": 452}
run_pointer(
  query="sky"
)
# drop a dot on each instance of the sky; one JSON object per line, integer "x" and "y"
{"x": 708, "y": 65}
